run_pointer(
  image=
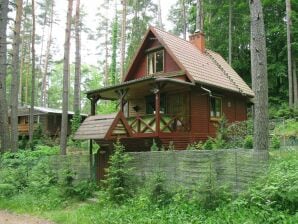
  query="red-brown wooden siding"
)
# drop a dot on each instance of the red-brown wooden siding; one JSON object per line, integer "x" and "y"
{"x": 170, "y": 64}
{"x": 141, "y": 70}
{"x": 199, "y": 113}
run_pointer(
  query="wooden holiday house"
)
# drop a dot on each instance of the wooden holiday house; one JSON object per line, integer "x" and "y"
{"x": 49, "y": 120}
{"x": 174, "y": 91}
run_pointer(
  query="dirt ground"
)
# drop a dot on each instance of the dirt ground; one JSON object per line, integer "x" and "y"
{"x": 10, "y": 218}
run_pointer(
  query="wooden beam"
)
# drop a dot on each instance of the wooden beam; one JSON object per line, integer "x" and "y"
{"x": 93, "y": 105}
{"x": 157, "y": 111}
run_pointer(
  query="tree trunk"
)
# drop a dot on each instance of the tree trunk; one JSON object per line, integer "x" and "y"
{"x": 183, "y": 7}
{"x": 77, "y": 89}
{"x": 15, "y": 76}
{"x": 123, "y": 39}
{"x": 230, "y": 32}
{"x": 106, "y": 78}
{"x": 64, "y": 122}
{"x": 28, "y": 74}
{"x": 290, "y": 77}
{"x": 295, "y": 82}
{"x": 199, "y": 18}
{"x": 4, "y": 133}
{"x": 259, "y": 75}
{"x": 160, "y": 24}
{"x": 31, "y": 112}
{"x": 44, "y": 94}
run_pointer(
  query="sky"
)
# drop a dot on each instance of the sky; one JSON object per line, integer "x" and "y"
{"x": 89, "y": 52}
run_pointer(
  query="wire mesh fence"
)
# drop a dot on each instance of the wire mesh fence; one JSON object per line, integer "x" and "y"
{"x": 235, "y": 168}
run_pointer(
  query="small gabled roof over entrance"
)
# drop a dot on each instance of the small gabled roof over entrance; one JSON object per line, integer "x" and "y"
{"x": 206, "y": 68}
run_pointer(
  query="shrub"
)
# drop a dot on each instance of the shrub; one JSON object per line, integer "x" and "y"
{"x": 208, "y": 145}
{"x": 275, "y": 142}
{"x": 118, "y": 175}
{"x": 248, "y": 142}
{"x": 195, "y": 146}
{"x": 84, "y": 189}
{"x": 154, "y": 146}
{"x": 7, "y": 190}
{"x": 158, "y": 195}
{"x": 279, "y": 188}
{"x": 209, "y": 194}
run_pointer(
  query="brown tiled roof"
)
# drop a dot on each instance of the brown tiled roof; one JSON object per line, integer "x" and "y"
{"x": 94, "y": 127}
{"x": 207, "y": 68}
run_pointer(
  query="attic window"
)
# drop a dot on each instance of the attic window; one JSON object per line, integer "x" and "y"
{"x": 215, "y": 107}
{"x": 155, "y": 62}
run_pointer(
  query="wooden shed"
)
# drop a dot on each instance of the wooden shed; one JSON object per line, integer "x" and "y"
{"x": 48, "y": 118}
{"x": 174, "y": 91}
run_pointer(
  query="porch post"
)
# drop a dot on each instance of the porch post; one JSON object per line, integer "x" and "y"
{"x": 93, "y": 112}
{"x": 157, "y": 110}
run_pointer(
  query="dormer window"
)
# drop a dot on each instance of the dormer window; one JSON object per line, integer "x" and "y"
{"x": 155, "y": 62}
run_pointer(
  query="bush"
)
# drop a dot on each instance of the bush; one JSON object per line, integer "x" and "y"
{"x": 275, "y": 142}
{"x": 279, "y": 189}
{"x": 248, "y": 142}
{"x": 195, "y": 146}
{"x": 154, "y": 146}
{"x": 208, "y": 145}
{"x": 7, "y": 190}
{"x": 158, "y": 195}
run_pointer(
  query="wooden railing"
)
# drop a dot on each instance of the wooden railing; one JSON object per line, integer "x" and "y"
{"x": 146, "y": 124}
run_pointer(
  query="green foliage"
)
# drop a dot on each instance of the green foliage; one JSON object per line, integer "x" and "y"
{"x": 271, "y": 199}
{"x": 171, "y": 146}
{"x": 275, "y": 142}
{"x": 117, "y": 180}
{"x": 30, "y": 173}
{"x": 278, "y": 189}
{"x": 75, "y": 124}
{"x": 209, "y": 194}
{"x": 287, "y": 128}
{"x": 154, "y": 146}
{"x": 238, "y": 133}
{"x": 248, "y": 142}
{"x": 114, "y": 78}
{"x": 158, "y": 195}
{"x": 195, "y": 146}
{"x": 208, "y": 145}
{"x": 282, "y": 111}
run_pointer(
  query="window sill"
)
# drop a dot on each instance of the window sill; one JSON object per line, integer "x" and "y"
{"x": 215, "y": 119}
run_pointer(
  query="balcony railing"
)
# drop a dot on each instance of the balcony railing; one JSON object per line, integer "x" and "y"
{"x": 146, "y": 124}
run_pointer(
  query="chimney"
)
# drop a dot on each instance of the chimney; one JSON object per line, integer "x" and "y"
{"x": 198, "y": 39}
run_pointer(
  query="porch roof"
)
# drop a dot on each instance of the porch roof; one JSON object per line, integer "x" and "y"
{"x": 95, "y": 127}
{"x": 139, "y": 86}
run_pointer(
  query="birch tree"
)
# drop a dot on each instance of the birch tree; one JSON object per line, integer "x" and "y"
{"x": 4, "y": 134}
{"x": 64, "y": 122}
{"x": 259, "y": 75}
{"x": 15, "y": 76}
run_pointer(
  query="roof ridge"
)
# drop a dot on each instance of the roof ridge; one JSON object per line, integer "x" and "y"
{"x": 167, "y": 32}
{"x": 224, "y": 71}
